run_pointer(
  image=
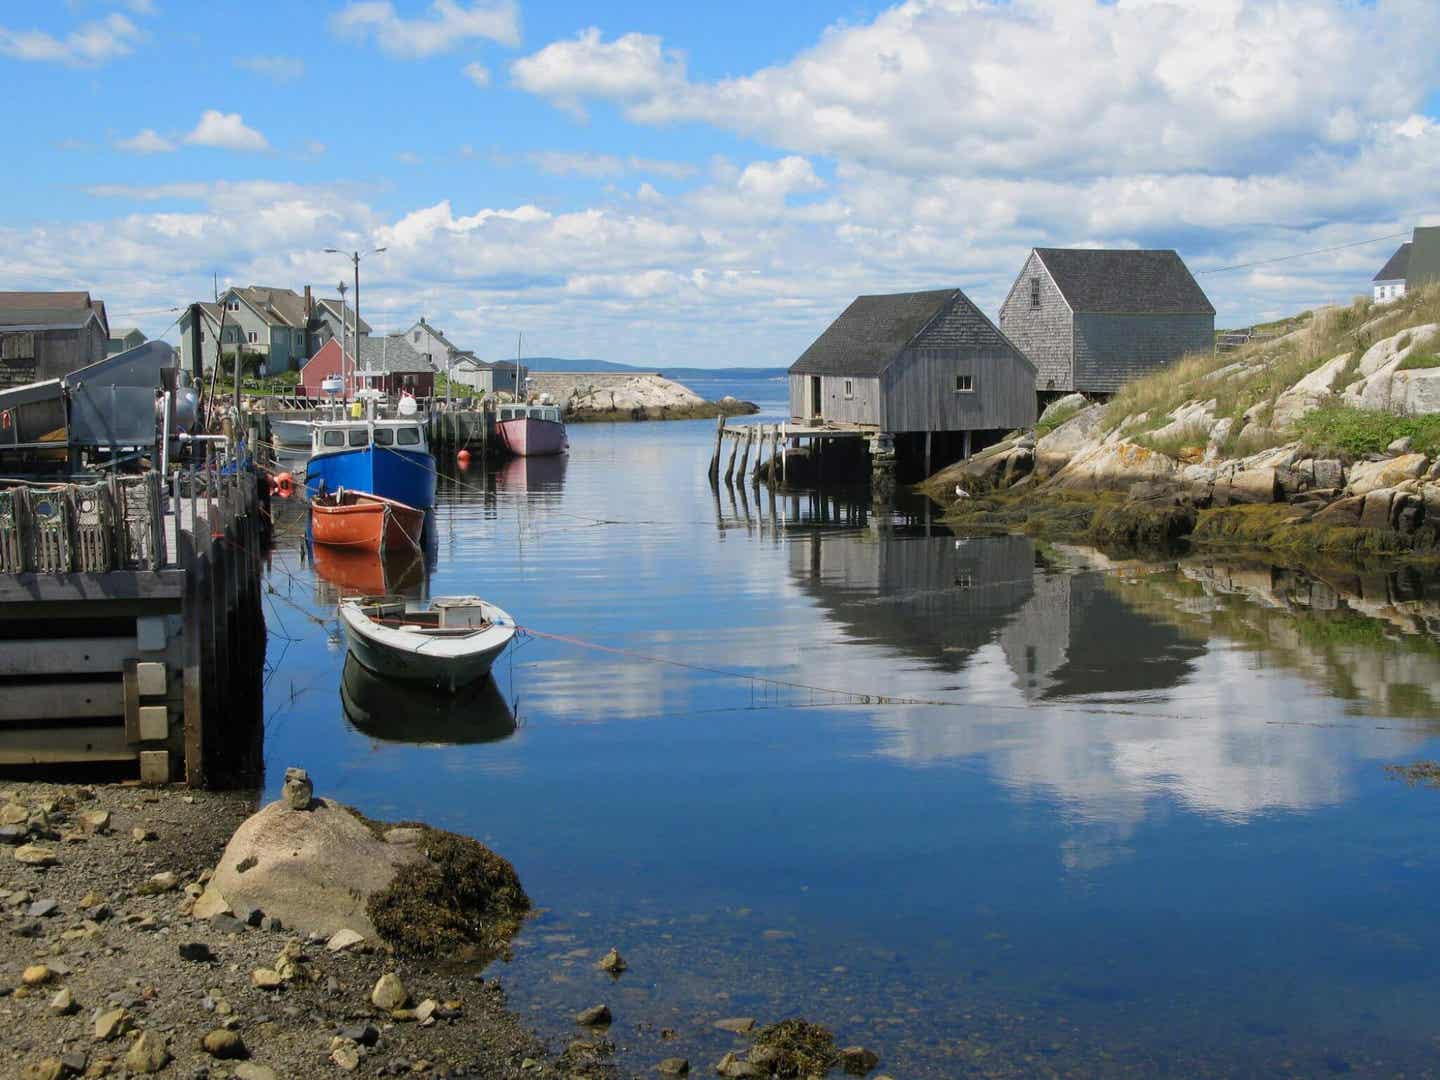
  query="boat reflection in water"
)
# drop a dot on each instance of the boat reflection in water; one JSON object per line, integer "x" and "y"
{"x": 341, "y": 572}
{"x": 532, "y": 474}
{"x": 406, "y": 713}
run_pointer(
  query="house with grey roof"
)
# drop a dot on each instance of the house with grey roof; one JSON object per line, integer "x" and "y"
{"x": 276, "y": 327}
{"x": 1389, "y": 283}
{"x": 44, "y": 335}
{"x": 390, "y": 363}
{"x": 483, "y": 376}
{"x": 1090, "y": 320}
{"x": 914, "y": 364}
{"x": 123, "y": 339}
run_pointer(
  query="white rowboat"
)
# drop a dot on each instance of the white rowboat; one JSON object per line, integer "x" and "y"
{"x": 448, "y": 646}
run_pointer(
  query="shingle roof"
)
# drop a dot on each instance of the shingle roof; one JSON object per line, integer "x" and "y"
{"x": 390, "y": 353}
{"x": 1396, "y": 268}
{"x": 436, "y": 333}
{"x": 1125, "y": 282}
{"x": 57, "y": 309}
{"x": 333, "y": 306}
{"x": 872, "y": 332}
{"x": 284, "y": 307}
{"x": 1424, "y": 258}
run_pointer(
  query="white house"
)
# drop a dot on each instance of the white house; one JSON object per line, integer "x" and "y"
{"x": 1390, "y": 281}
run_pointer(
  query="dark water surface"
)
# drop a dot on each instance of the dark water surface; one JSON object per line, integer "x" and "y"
{"x": 1122, "y": 818}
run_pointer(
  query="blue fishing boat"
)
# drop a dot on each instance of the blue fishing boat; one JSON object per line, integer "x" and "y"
{"x": 386, "y": 457}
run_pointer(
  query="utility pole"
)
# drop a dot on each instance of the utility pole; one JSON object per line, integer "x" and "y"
{"x": 344, "y": 315}
{"x": 354, "y": 257}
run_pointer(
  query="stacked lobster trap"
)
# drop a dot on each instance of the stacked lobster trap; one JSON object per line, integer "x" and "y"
{"x": 88, "y": 528}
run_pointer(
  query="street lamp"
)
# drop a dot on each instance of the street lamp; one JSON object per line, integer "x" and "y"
{"x": 354, "y": 257}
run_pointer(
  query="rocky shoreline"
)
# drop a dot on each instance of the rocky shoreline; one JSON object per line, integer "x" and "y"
{"x": 110, "y": 970}
{"x": 623, "y": 396}
{"x": 1285, "y": 451}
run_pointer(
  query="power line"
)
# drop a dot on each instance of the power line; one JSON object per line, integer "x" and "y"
{"x": 1301, "y": 254}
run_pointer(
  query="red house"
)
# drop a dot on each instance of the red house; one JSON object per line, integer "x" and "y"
{"x": 324, "y": 363}
{"x": 387, "y": 363}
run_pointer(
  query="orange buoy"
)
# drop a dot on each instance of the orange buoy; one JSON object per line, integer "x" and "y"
{"x": 284, "y": 485}
{"x": 463, "y": 458}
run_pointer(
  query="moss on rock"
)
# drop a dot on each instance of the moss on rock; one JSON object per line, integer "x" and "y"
{"x": 463, "y": 901}
{"x": 795, "y": 1047}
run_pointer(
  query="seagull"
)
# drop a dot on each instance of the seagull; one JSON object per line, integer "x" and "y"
{"x": 961, "y": 493}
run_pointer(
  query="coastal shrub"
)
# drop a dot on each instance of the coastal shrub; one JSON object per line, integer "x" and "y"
{"x": 464, "y": 901}
{"x": 1351, "y": 432}
{"x": 1418, "y": 361}
{"x": 796, "y": 1048}
{"x": 1174, "y": 444}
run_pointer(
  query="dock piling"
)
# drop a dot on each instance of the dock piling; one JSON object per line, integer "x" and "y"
{"x": 715, "y": 457}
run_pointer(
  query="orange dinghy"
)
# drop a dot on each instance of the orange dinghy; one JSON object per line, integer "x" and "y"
{"x": 357, "y": 519}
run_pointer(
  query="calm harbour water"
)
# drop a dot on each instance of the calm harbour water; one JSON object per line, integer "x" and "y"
{"x": 1123, "y": 819}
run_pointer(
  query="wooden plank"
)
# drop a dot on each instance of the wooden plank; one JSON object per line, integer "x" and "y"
{"x": 64, "y": 656}
{"x": 62, "y": 745}
{"x": 114, "y": 585}
{"x": 62, "y": 700}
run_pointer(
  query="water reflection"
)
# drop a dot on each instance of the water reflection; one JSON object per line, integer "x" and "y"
{"x": 388, "y": 711}
{"x": 342, "y": 572}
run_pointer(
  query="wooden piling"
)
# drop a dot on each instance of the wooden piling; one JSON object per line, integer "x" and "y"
{"x": 759, "y": 454}
{"x": 734, "y": 449}
{"x": 715, "y": 457}
{"x": 745, "y": 452}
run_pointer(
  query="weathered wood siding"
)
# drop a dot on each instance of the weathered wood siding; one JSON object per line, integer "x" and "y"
{"x": 1043, "y": 332}
{"x": 34, "y": 355}
{"x": 1112, "y": 349}
{"x": 920, "y": 395}
{"x": 861, "y": 408}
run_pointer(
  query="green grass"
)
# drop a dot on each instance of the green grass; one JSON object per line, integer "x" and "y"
{"x": 1350, "y": 432}
{"x": 1055, "y": 419}
{"x": 1173, "y": 444}
{"x": 1418, "y": 361}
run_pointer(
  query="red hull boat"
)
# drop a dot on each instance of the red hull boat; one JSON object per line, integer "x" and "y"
{"x": 361, "y": 521}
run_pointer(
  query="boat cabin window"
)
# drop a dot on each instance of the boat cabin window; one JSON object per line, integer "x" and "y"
{"x": 333, "y": 438}
{"x": 408, "y": 436}
{"x": 359, "y": 437}
{"x": 384, "y": 436}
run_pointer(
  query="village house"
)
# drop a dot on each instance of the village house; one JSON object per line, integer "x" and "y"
{"x": 393, "y": 365}
{"x": 1415, "y": 262}
{"x": 1090, "y": 320}
{"x": 278, "y": 328}
{"x": 124, "y": 339}
{"x": 44, "y": 335}
{"x": 914, "y": 365}
{"x": 1389, "y": 283}
{"x": 482, "y": 376}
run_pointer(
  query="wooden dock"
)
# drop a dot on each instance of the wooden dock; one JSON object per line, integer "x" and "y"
{"x": 131, "y": 629}
{"x": 775, "y": 445}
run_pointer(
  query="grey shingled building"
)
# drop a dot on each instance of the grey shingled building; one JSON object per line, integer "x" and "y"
{"x": 913, "y": 363}
{"x": 1092, "y": 319}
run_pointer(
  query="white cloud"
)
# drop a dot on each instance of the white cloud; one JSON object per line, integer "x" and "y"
{"x": 88, "y": 44}
{"x": 674, "y": 170}
{"x": 148, "y": 141}
{"x": 142, "y": 7}
{"x": 449, "y": 25}
{"x": 558, "y": 162}
{"x": 280, "y": 69}
{"x": 477, "y": 73}
{"x": 227, "y": 131}
{"x": 984, "y": 86}
{"x": 633, "y": 68}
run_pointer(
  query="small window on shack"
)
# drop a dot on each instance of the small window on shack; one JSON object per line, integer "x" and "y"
{"x": 849, "y": 388}
{"x": 359, "y": 437}
{"x": 333, "y": 438}
{"x": 1034, "y": 292}
{"x": 964, "y": 384}
{"x": 408, "y": 436}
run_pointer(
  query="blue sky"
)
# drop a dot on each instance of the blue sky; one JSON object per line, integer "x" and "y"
{"x": 710, "y": 185}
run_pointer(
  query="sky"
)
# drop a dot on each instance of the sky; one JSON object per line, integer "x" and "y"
{"x": 710, "y": 184}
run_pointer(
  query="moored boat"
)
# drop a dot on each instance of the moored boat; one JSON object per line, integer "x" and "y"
{"x": 387, "y": 457}
{"x": 450, "y": 645}
{"x": 359, "y": 520}
{"x": 532, "y": 430}
{"x": 291, "y": 434}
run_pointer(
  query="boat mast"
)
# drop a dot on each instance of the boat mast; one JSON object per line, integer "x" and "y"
{"x": 519, "y": 369}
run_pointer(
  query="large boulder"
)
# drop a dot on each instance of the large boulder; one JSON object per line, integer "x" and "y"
{"x": 1368, "y": 476}
{"x": 312, "y": 869}
{"x": 1114, "y": 467}
{"x": 1080, "y": 432}
{"x": 1260, "y": 485}
{"x": 1309, "y": 393}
